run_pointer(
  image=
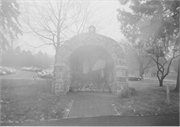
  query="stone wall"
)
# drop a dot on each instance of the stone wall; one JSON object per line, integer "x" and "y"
{"x": 62, "y": 79}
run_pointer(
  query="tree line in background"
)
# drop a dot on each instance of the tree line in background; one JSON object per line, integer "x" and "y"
{"x": 24, "y": 58}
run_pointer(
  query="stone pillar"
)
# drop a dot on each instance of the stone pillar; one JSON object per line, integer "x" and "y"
{"x": 120, "y": 85}
{"x": 60, "y": 87}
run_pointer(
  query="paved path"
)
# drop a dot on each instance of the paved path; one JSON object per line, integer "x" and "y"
{"x": 90, "y": 104}
{"x": 20, "y": 75}
{"x": 154, "y": 79}
{"x": 160, "y": 120}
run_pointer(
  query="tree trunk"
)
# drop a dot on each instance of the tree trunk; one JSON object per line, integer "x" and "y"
{"x": 178, "y": 78}
{"x": 160, "y": 78}
{"x": 56, "y": 56}
{"x": 55, "y": 61}
{"x": 161, "y": 82}
{"x": 141, "y": 71}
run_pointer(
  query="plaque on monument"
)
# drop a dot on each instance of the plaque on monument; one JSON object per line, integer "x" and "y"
{"x": 57, "y": 86}
{"x": 120, "y": 73}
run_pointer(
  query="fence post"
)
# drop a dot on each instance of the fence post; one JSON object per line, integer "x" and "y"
{"x": 167, "y": 94}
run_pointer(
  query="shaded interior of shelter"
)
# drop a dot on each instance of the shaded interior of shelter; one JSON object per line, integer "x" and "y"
{"x": 90, "y": 65}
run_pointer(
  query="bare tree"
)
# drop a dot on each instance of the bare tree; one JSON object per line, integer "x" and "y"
{"x": 130, "y": 30}
{"x": 144, "y": 61}
{"x": 86, "y": 17}
{"x": 56, "y": 21}
{"x": 178, "y": 78}
{"x": 163, "y": 56}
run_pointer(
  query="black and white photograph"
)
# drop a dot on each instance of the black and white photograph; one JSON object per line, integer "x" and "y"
{"x": 89, "y": 62}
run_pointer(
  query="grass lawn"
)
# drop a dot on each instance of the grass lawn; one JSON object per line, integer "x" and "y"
{"x": 29, "y": 101}
{"x": 150, "y": 100}
{"x": 172, "y": 76}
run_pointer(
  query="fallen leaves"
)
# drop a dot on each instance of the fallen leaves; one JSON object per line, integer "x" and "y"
{"x": 28, "y": 105}
{"x": 147, "y": 103}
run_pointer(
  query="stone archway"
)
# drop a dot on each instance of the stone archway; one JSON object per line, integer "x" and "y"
{"x": 90, "y": 68}
{"x": 62, "y": 68}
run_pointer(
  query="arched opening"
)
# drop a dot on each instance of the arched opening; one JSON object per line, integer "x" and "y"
{"x": 89, "y": 62}
{"x": 91, "y": 67}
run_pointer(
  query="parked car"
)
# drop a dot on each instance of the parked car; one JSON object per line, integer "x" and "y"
{"x": 33, "y": 69}
{"x": 25, "y": 68}
{"x": 6, "y": 70}
{"x": 2, "y": 72}
{"x": 134, "y": 78}
{"x": 44, "y": 74}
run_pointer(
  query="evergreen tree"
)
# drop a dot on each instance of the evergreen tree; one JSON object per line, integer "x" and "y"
{"x": 9, "y": 12}
{"x": 160, "y": 37}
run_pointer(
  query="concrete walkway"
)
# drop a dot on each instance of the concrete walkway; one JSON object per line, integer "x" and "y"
{"x": 90, "y": 104}
{"x": 20, "y": 74}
